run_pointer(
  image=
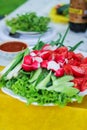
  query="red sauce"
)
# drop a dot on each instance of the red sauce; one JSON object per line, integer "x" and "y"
{"x": 13, "y": 46}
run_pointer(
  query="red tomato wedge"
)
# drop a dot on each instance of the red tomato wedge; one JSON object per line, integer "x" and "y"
{"x": 67, "y": 69}
{"x": 84, "y": 61}
{"x": 80, "y": 83}
{"x": 62, "y": 51}
{"x": 84, "y": 85}
{"x": 84, "y": 66}
{"x": 78, "y": 71}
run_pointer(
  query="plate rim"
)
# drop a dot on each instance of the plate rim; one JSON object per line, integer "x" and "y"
{"x": 29, "y": 32}
{"x": 20, "y": 98}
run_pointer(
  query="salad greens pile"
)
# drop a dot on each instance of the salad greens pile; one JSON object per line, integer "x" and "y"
{"x": 28, "y": 22}
{"x": 41, "y": 85}
{"x": 35, "y": 87}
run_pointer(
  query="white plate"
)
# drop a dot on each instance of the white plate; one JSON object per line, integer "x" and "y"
{"x": 22, "y": 99}
{"x": 27, "y": 32}
{"x": 30, "y": 39}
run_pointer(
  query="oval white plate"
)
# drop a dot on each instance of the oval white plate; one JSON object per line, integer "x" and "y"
{"x": 22, "y": 99}
{"x": 29, "y": 39}
{"x": 28, "y": 32}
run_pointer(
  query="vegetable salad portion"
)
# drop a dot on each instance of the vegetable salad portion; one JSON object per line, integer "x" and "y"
{"x": 28, "y": 22}
{"x": 47, "y": 74}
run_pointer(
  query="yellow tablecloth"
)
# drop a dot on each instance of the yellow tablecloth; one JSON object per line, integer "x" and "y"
{"x": 16, "y": 115}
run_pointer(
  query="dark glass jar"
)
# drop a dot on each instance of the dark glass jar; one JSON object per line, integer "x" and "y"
{"x": 78, "y": 15}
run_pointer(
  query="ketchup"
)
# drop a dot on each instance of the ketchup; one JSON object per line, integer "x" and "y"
{"x": 13, "y": 46}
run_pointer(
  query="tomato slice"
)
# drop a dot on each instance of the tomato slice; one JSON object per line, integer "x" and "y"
{"x": 62, "y": 51}
{"x": 73, "y": 62}
{"x": 70, "y": 55}
{"x": 79, "y": 56}
{"x": 67, "y": 69}
{"x": 84, "y": 66}
{"x": 84, "y": 85}
{"x": 78, "y": 71}
{"x": 84, "y": 61}
{"x": 78, "y": 83}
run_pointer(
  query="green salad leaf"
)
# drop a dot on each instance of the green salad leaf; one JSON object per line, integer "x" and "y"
{"x": 31, "y": 87}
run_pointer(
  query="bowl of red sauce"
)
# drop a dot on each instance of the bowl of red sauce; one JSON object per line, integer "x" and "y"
{"x": 9, "y": 49}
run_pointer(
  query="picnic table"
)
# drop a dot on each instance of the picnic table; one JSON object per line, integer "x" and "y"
{"x": 16, "y": 115}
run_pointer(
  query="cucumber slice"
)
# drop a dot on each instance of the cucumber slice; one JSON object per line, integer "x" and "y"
{"x": 62, "y": 80}
{"x": 68, "y": 90}
{"x": 63, "y": 10}
{"x": 36, "y": 75}
{"x": 44, "y": 82}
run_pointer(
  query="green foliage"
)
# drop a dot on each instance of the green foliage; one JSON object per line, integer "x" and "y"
{"x": 28, "y": 22}
{"x": 22, "y": 86}
{"x": 13, "y": 4}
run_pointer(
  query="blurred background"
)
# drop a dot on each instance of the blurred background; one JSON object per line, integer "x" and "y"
{"x": 7, "y": 6}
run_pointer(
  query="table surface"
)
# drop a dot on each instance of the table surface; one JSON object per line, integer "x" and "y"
{"x": 43, "y": 8}
{"x": 15, "y": 115}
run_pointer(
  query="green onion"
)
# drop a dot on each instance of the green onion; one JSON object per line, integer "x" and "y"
{"x": 76, "y": 46}
{"x": 18, "y": 59}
